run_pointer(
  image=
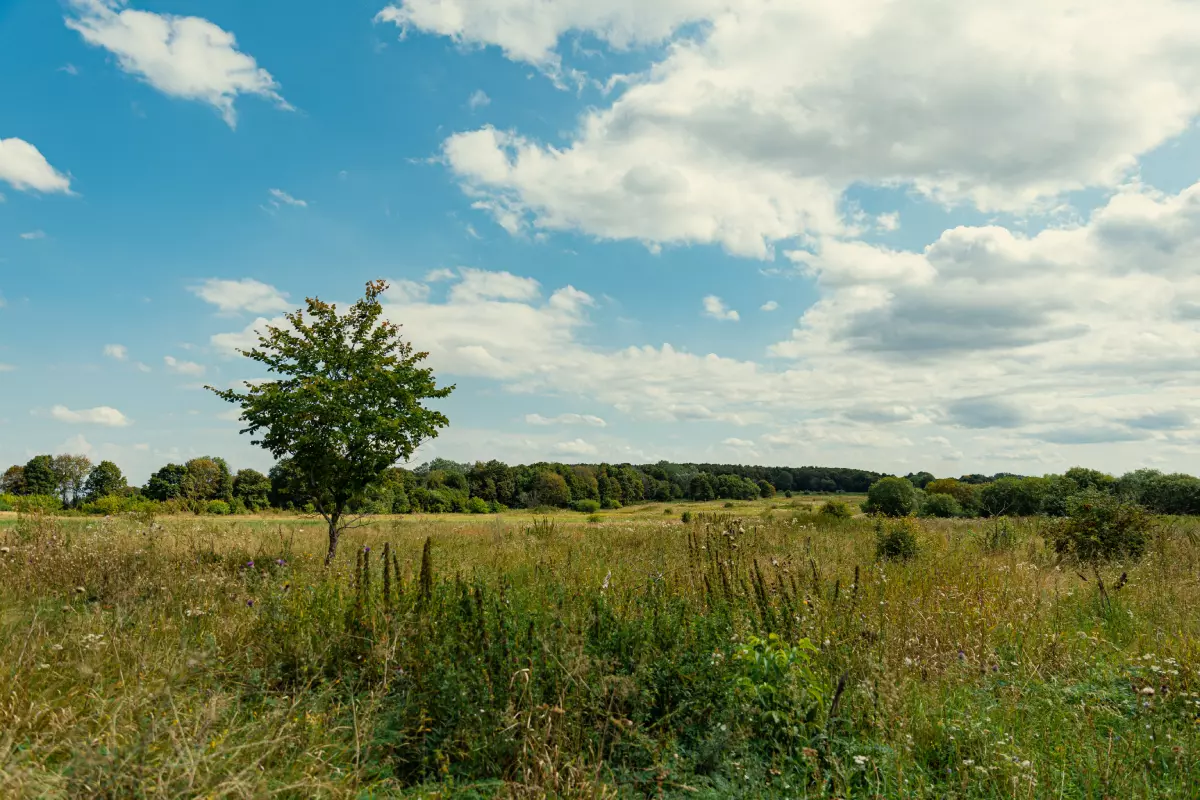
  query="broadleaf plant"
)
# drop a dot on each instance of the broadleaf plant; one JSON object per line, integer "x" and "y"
{"x": 348, "y": 402}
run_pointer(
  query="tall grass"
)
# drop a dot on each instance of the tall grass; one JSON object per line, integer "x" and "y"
{"x": 768, "y": 656}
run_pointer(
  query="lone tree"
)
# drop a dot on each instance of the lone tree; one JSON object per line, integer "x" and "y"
{"x": 347, "y": 404}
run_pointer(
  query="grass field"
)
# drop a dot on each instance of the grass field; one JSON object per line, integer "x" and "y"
{"x": 762, "y": 651}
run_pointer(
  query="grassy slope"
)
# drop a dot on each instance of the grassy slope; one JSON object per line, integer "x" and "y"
{"x": 589, "y": 660}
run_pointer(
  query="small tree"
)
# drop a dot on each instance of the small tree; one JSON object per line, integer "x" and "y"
{"x": 891, "y": 497}
{"x": 1100, "y": 527}
{"x": 13, "y": 480}
{"x": 252, "y": 488}
{"x": 347, "y": 404}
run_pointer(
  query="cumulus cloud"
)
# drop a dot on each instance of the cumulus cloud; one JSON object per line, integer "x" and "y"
{"x": 770, "y": 305}
{"x": 29, "y": 235}
{"x": 183, "y": 367}
{"x": 186, "y": 57}
{"x": 117, "y": 352}
{"x": 101, "y": 415}
{"x": 566, "y": 419}
{"x": 715, "y": 307}
{"x": 23, "y": 167}
{"x": 759, "y": 114}
{"x": 246, "y": 294}
{"x": 406, "y": 291}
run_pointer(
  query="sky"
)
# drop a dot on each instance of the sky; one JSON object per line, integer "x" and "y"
{"x": 899, "y": 236}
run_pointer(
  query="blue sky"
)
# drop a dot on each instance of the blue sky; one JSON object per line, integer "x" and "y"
{"x": 730, "y": 230}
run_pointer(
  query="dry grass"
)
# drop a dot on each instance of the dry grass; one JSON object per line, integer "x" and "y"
{"x": 150, "y": 658}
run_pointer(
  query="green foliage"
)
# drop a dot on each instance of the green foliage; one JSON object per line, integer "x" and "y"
{"x": 1014, "y": 497}
{"x": 166, "y": 483}
{"x": 218, "y": 508}
{"x": 586, "y": 506}
{"x": 105, "y": 479}
{"x": 1101, "y": 527}
{"x": 39, "y": 476}
{"x": 765, "y": 489}
{"x": 781, "y": 696}
{"x": 942, "y": 506}
{"x": 13, "y": 480}
{"x": 477, "y": 505}
{"x": 38, "y": 503}
{"x": 896, "y": 540}
{"x": 891, "y": 497}
{"x": 594, "y": 519}
{"x": 550, "y": 489}
{"x": 836, "y": 509}
{"x": 252, "y": 488}
{"x": 347, "y": 403}
{"x": 8, "y": 502}
{"x": 685, "y": 517}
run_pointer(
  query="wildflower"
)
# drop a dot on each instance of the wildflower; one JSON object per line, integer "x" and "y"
{"x": 79, "y": 590}
{"x": 968, "y": 762}
{"x": 607, "y": 577}
{"x": 5, "y": 550}
{"x": 1148, "y": 691}
{"x": 250, "y": 603}
{"x": 281, "y": 562}
{"x": 861, "y": 761}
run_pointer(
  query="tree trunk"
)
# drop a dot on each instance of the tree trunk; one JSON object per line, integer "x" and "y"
{"x": 334, "y": 533}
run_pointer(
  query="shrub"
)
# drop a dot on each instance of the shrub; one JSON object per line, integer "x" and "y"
{"x": 8, "y": 502}
{"x": 477, "y": 505}
{"x": 594, "y": 518}
{"x": 106, "y": 506}
{"x": 836, "y": 509}
{"x": 34, "y": 503}
{"x": 1101, "y": 527}
{"x": 668, "y": 511}
{"x": 685, "y": 517}
{"x": 218, "y": 507}
{"x": 942, "y": 506}
{"x": 586, "y": 506}
{"x": 896, "y": 540}
{"x": 729, "y": 505}
{"x": 891, "y": 497}
{"x": 612, "y": 504}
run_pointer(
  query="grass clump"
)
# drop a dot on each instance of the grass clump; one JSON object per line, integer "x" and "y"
{"x": 836, "y": 509}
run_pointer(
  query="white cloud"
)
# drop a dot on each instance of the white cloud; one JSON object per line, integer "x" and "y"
{"x": 566, "y": 419}
{"x": 183, "y": 367}
{"x": 575, "y": 447}
{"x": 117, "y": 352}
{"x": 142, "y": 367}
{"x": 753, "y": 122}
{"x": 406, "y": 291}
{"x": 478, "y": 100}
{"x": 29, "y": 235}
{"x": 888, "y": 222}
{"x": 7, "y": 368}
{"x": 736, "y": 443}
{"x": 186, "y": 57}
{"x": 443, "y": 274}
{"x": 23, "y": 167}
{"x": 715, "y": 307}
{"x": 243, "y": 295}
{"x": 280, "y": 196}
{"x": 101, "y": 415}
{"x": 478, "y": 284}
{"x": 528, "y": 30}
{"x": 770, "y": 305}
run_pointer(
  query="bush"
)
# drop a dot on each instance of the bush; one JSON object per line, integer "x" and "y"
{"x": 729, "y": 505}
{"x": 594, "y": 518}
{"x": 218, "y": 507}
{"x": 612, "y": 504}
{"x": 8, "y": 502}
{"x": 1101, "y": 527}
{"x": 106, "y": 506}
{"x": 942, "y": 506}
{"x": 836, "y": 509}
{"x": 586, "y": 506}
{"x": 896, "y": 540}
{"x": 34, "y": 503}
{"x": 685, "y": 517}
{"x": 477, "y": 505}
{"x": 891, "y": 497}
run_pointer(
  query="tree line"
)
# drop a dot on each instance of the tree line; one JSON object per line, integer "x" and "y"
{"x": 207, "y": 485}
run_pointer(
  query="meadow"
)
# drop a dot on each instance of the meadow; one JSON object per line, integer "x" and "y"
{"x": 762, "y": 650}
